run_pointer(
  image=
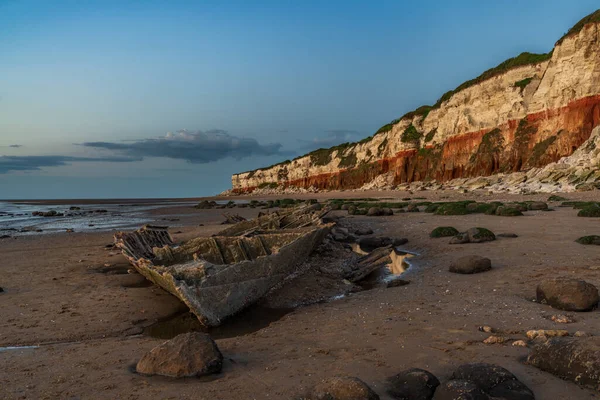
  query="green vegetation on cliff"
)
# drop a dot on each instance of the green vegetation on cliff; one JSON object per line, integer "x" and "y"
{"x": 590, "y": 19}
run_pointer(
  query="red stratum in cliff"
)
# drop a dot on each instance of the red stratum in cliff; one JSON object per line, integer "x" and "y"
{"x": 521, "y": 121}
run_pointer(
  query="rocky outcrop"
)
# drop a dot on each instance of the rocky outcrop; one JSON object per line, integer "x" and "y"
{"x": 528, "y": 113}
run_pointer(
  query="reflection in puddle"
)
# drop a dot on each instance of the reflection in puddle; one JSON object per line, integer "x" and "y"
{"x": 249, "y": 321}
{"x": 398, "y": 265}
{"x": 9, "y": 348}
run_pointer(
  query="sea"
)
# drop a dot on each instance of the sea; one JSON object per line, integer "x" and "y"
{"x": 18, "y": 219}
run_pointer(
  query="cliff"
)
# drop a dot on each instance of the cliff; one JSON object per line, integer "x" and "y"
{"x": 526, "y": 113}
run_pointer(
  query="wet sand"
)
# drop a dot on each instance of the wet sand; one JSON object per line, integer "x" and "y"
{"x": 72, "y": 297}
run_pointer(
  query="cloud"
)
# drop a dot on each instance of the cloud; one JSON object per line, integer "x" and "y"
{"x": 196, "y": 147}
{"x": 333, "y": 138}
{"x": 34, "y": 163}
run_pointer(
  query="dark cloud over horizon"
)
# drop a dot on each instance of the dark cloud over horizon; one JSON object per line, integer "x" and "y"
{"x": 35, "y": 163}
{"x": 197, "y": 147}
{"x": 15, "y": 146}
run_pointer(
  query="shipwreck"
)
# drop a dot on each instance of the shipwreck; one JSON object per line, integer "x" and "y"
{"x": 218, "y": 276}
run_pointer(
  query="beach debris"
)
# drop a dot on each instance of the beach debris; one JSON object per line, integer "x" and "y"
{"x": 532, "y": 334}
{"x": 563, "y": 319}
{"x": 232, "y": 218}
{"x": 519, "y": 343}
{"x": 414, "y": 383}
{"x": 187, "y": 355}
{"x": 472, "y": 264}
{"x": 474, "y": 235}
{"x": 494, "y": 340}
{"x": 341, "y": 388}
{"x": 481, "y": 381}
{"x": 486, "y": 329}
{"x": 574, "y": 359}
{"x": 567, "y": 294}
{"x": 218, "y": 276}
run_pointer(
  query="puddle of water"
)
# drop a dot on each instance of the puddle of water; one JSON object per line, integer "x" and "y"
{"x": 249, "y": 321}
{"x": 399, "y": 264}
{"x": 11, "y": 348}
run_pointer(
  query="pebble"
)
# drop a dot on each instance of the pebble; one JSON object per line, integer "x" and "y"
{"x": 532, "y": 334}
{"x": 494, "y": 340}
{"x": 519, "y": 343}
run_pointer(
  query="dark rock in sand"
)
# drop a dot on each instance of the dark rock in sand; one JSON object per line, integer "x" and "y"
{"x": 1, "y": 290}
{"x": 387, "y": 211}
{"x": 4, "y": 237}
{"x": 371, "y": 243}
{"x": 507, "y": 235}
{"x": 397, "y": 282}
{"x": 443, "y": 231}
{"x": 470, "y": 265}
{"x": 592, "y": 239}
{"x": 459, "y": 390}
{"x": 189, "y": 354}
{"x": 344, "y": 206}
{"x": 497, "y": 382}
{"x": 340, "y": 234}
{"x": 363, "y": 232}
{"x": 474, "y": 235}
{"x": 575, "y": 359}
{"x": 412, "y": 384}
{"x": 567, "y": 294}
{"x": 412, "y": 208}
{"x": 341, "y": 388}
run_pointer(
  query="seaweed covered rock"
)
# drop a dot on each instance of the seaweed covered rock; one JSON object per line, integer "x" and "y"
{"x": 341, "y": 388}
{"x": 460, "y": 390}
{"x": 189, "y": 354}
{"x": 457, "y": 208}
{"x": 537, "y": 206}
{"x": 592, "y": 239}
{"x": 414, "y": 383}
{"x": 481, "y": 208}
{"x": 557, "y": 198}
{"x": 575, "y": 359}
{"x": 493, "y": 380}
{"x": 443, "y": 231}
{"x": 412, "y": 208}
{"x": 567, "y": 294}
{"x": 374, "y": 212}
{"x": 470, "y": 265}
{"x": 590, "y": 211}
{"x": 507, "y": 211}
{"x": 474, "y": 235}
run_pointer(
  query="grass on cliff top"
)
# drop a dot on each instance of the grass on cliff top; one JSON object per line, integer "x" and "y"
{"x": 589, "y": 19}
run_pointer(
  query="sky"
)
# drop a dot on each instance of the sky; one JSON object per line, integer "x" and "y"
{"x": 130, "y": 99}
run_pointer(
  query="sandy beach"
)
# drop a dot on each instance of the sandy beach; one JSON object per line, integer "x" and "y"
{"x": 71, "y": 298}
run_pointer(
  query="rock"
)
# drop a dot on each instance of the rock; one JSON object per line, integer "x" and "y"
{"x": 443, "y": 231}
{"x": 369, "y": 244}
{"x": 470, "y": 265}
{"x": 537, "y": 206}
{"x": 592, "y": 239}
{"x": 519, "y": 343}
{"x": 397, "y": 282}
{"x": 4, "y": 237}
{"x": 507, "y": 235}
{"x": 493, "y": 380}
{"x": 351, "y": 210}
{"x": 387, "y": 211}
{"x": 532, "y": 334}
{"x": 563, "y": 319}
{"x": 374, "y": 212}
{"x": 461, "y": 238}
{"x": 459, "y": 390}
{"x": 575, "y": 359}
{"x": 344, "y": 206}
{"x": 486, "y": 329}
{"x": 189, "y": 354}
{"x": 474, "y": 235}
{"x": 412, "y": 384}
{"x": 494, "y": 340}
{"x": 1, "y": 290}
{"x": 363, "y": 232}
{"x": 505, "y": 211}
{"x": 591, "y": 211}
{"x": 69, "y": 230}
{"x": 567, "y": 294}
{"x": 341, "y": 388}
{"x": 412, "y": 208}
{"x": 581, "y": 334}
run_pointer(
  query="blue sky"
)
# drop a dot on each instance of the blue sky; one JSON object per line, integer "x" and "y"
{"x": 89, "y": 90}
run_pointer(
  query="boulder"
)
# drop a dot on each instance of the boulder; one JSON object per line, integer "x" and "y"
{"x": 412, "y": 208}
{"x": 494, "y": 381}
{"x": 575, "y": 359}
{"x": 189, "y": 354}
{"x": 470, "y": 265}
{"x": 413, "y": 384}
{"x": 459, "y": 390}
{"x": 341, "y": 388}
{"x": 567, "y": 294}
{"x": 505, "y": 211}
{"x": 537, "y": 205}
{"x": 443, "y": 231}
{"x": 592, "y": 239}
{"x": 374, "y": 212}
{"x": 387, "y": 211}
{"x": 473, "y": 235}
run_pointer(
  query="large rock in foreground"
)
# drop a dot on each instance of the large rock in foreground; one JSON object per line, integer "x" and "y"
{"x": 414, "y": 383}
{"x": 568, "y": 294}
{"x": 189, "y": 354}
{"x": 575, "y": 359}
{"x": 341, "y": 388}
{"x": 470, "y": 265}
